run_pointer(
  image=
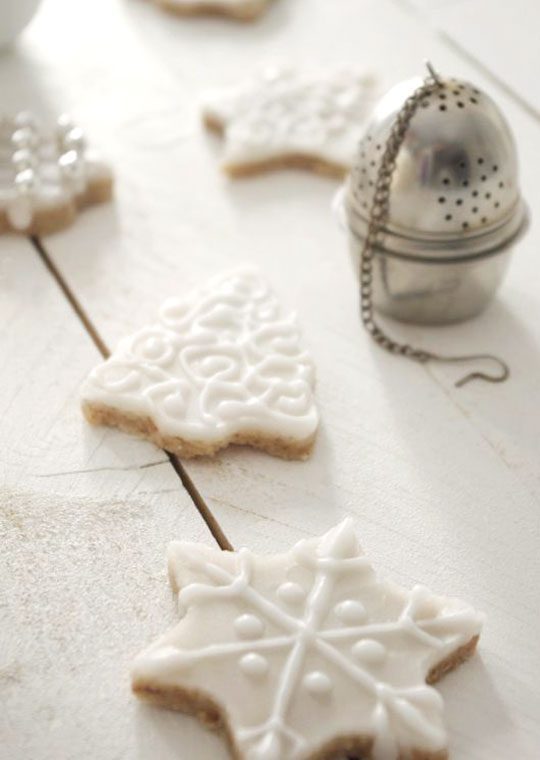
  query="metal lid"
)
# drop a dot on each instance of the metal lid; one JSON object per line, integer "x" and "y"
{"x": 454, "y": 191}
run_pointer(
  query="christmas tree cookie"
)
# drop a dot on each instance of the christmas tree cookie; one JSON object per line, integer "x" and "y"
{"x": 222, "y": 365}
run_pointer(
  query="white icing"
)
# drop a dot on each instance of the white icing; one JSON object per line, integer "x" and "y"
{"x": 369, "y": 652}
{"x": 351, "y": 612}
{"x": 318, "y": 684}
{"x": 307, "y": 678}
{"x": 249, "y": 626}
{"x": 291, "y": 593}
{"x": 42, "y": 169}
{"x": 254, "y": 665}
{"x": 222, "y": 361}
{"x": 284, "y": 112}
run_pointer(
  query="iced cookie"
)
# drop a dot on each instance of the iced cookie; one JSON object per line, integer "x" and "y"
{"x": 46, "y": 175}
{"x": 242, "y": 10}
{"x": 284, "y": 118}
{"x": 222, "y": 365}
{"x": 306, "y": 655}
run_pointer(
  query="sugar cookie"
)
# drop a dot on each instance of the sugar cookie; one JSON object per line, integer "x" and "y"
{"x": 221, "y": 366}
{"x": 306, "y": 655}
{"x": 283, "y": 118}
{"x": 46, "y": 176}
{"x": 241, "y": 10}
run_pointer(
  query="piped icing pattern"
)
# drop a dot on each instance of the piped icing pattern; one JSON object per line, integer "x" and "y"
{"x": 220, "y": 365}
{"x": 283, "y": 114}
{"x": 46, "y": 174}
{"x": 239, "y": 9}
{"x": 302, "y": 648}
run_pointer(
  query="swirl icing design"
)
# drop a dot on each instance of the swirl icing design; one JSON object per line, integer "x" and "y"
{"x": 283, "y": 113}
{"x": 46, "y": 171}
{"x": 294, "y": 667}
{"x": 219, "y": 363}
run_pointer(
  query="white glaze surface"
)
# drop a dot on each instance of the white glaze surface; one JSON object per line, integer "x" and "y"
{"x": 291, "y": 681}
{"x": 223, "y": 360}
{"x": 284, "y": 112}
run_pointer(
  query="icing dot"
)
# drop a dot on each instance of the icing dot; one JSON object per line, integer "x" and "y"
{"x": 249, "y": 626}
{"x": 291, "y": 593}
{"x": 351, "y": 612}
{"x": 254, "y": 665}
{"x": 369, "y": 652}
{"x": 23, "y": 159}
{"x": 24, "y": 137}
{"x": 318, "y": 684}
{"x": 65, "y": 123}
{"x": 70, "y": 163}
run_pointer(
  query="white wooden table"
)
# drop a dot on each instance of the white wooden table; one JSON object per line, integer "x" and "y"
{"x": 444, "y": 484}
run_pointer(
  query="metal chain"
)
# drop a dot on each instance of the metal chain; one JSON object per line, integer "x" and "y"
{"x": 379, "y": 213}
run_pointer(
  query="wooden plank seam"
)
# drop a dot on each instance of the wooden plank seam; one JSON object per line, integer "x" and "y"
{"x": 179, "y": 468}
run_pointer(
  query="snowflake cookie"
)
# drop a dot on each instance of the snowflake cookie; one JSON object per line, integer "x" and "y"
{"x": 307, "y": 654}
{"x": 242, "y": 10}
{"x": 220, "y": 366}
{"x": 284, "y": 118}
{"x": 46, "y": 176}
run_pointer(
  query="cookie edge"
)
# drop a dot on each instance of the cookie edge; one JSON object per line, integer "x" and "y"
{"x": 214, "y": 717}
{"x": 248, "y": 11}
{"x": 47, "y": 221}
{"x": 144, "y": 427}
{"x": 302, "y": 161}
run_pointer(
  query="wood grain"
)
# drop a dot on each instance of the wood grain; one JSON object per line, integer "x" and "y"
{"x": 444, "y": 484}
{"x": 85, "y": 519}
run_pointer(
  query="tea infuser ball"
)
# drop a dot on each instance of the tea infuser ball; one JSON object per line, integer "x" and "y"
{"x": 454, "y": 204}
{"x": 432, "y": 206}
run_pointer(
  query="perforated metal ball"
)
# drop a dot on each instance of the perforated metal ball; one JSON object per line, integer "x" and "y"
{"x": 455, "y": 184}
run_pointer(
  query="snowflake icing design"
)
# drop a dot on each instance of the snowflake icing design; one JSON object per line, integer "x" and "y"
{"x": 283, "y": 113}
{"x": 299, "y": 649}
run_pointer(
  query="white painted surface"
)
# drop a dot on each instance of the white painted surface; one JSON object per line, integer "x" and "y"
{"x": 444, "y": 484}
{"x": 501, "y": 36}
{"x": 85, "y": 519}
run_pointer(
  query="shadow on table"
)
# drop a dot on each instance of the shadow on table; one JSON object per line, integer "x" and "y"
{"x": 500, "y": 413}
{"x": 475, "y": 710}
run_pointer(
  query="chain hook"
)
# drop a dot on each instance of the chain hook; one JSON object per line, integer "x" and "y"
{"x": 500, "y": 378}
